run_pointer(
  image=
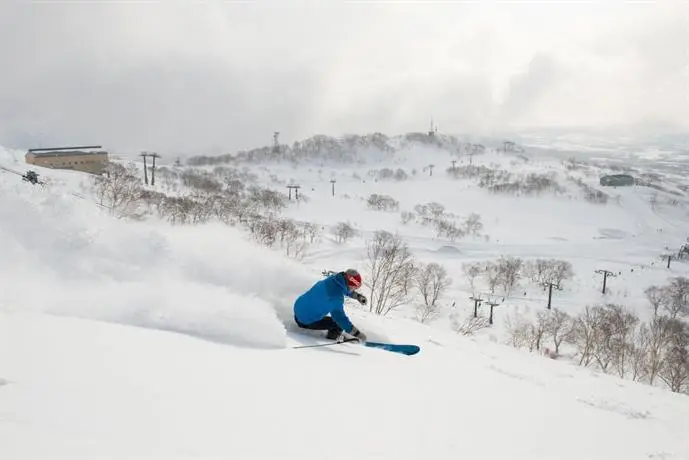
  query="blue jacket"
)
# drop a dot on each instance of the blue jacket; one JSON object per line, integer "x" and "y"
{"x": 326, "y": 296}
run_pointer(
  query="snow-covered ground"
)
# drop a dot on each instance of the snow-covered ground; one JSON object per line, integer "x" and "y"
{"x": 81, "y": 389}
{"x": 123, "y": 339}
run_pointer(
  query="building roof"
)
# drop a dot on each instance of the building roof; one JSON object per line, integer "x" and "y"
{"x": 67, "y": 151}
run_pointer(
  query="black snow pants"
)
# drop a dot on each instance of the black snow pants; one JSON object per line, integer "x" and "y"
{"x": 323, "y": 324}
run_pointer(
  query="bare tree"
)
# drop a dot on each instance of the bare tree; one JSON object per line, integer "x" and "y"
{"x": 620, "y": 327}
{"x": 200, "y": 181}
{"x": 119, "y": 189}
{"x": 424, "y": 212}
{"x": 657, "y": 332}
{"x": 559, "y": 270}
{"x": 263, "y": 229}
{"x": 654, "y": 294}
{"x": 604, "y": 334}
{"x": 290, "y": 238}
{"x": 391, "y": 268}
{"x": 535, "y": 269}
{"x": 177, "y": 210}
{"x": 447, "y": 229}
{"x": 658, "y": 335}
{"x": 436, "y": 210}
{"x": 227, "y": 207}
{"x": 202, "y": 211}
{"x": 675, "y": 299}
{"x": 492, "y": 276}
{"x": 586, "y": 326}
{"x": 545, "y": 271}
{"x": 406, "y": 217}
{"x": 468, "y": 325}
{"x": 675, "y": 372}
{"x": 559, "y": 327}
{"x": 554, "y": 324}
{"x": 310, "y": 231}
{"x": 169, "y": 178}
{"x": 538, "y": 331}
{"x": 382, "y": 203}
{"x": 400, "y": 174}
{"x": 612, "y": 338}
{"x": 639, "y": 354}
{"x": 432, "y": 281}
{"x": 343, "y": 231}
{"x": 508, "y": 273}
{"x": 473, "y": 224}
{"x": 519, "y": 331}
{"x": 668, "y": 303}
{"x": 269, "y": 201}
{"x": 603, "y": 349}
{"x": 471, "y": 272}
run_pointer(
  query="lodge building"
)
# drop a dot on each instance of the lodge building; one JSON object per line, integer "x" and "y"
{"x": 90, "y": 159}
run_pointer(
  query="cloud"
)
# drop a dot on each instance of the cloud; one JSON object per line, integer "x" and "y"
{"x": 527, "y": 89}
{"x": 217, "y": 76}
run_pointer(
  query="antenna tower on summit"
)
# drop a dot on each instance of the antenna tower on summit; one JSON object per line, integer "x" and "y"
{"x": 276, "y": 143}
{"x": 432, "y": 130}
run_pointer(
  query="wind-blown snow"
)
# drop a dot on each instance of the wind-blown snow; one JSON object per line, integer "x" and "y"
{"x": 64, "y": 256}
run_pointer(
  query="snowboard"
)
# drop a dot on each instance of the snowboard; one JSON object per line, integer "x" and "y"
{"x": 395, "y": 347}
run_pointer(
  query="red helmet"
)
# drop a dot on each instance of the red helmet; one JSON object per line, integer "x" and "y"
{"x": 353, "y": 279}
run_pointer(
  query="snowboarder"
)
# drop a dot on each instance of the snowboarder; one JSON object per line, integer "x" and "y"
{"x": 326, "y": 297}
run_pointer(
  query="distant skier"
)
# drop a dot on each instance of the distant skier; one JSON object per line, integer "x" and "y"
{"x": 326, "y": 297}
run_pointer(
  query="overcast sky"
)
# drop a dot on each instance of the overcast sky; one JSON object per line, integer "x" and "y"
{"x": 196, "y": 76}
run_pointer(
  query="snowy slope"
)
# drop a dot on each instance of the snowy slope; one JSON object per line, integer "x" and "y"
{"x": 145, "y": 340}
{"x": 78, "y": 389}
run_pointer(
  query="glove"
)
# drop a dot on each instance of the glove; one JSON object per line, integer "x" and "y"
{"x": 359, "y": 298}
{"x": 357, "y": 334}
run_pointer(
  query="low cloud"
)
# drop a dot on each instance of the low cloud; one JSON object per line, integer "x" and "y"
{"x": 199, "y": 77}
